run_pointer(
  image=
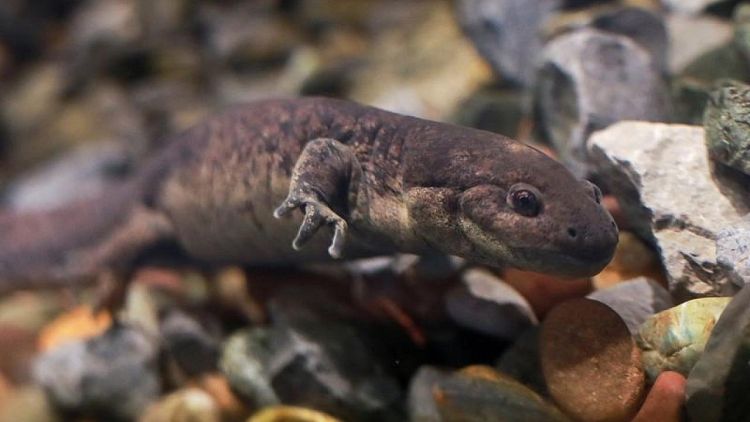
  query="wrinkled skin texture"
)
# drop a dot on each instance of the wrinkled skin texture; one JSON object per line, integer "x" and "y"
{"x": 231, "y": 189}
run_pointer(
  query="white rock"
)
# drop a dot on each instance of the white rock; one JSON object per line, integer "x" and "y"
{"x": 485, "y": 303}
{"x": 663, "y": 178}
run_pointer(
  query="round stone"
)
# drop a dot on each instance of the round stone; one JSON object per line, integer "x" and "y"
{"x": 590, "y": 362}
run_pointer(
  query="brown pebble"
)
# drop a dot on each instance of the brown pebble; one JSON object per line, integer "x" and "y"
{"x": 665, "y": 400}
{"x": 590, "y": 362}
{"x": 543, "y": 291}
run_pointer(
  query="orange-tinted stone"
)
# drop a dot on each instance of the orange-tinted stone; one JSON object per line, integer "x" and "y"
{"x": 544, "y": 291}
{"x": 77, "y": 324}
{"x": 664, "y": 401}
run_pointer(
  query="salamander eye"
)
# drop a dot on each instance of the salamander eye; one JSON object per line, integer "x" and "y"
{"x": 524, "y": 199}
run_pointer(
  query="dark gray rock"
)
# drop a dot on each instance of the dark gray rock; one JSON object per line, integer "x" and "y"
{"x": 244, "y": 362}
{"x": 718, "y": 384}
{"x": 485, "y": 303}
{"x": 476, "y": 393}
{"x": 521, "y": 362}
{"x": 635, "y": 300}
{"x": 680, "y": 209}
{"x": 733, "y": 251}
{"x": 506, "y": 33}
{"x": 113, "y": 376}
{"x": 589, "y": 79}
{"x": 726, "y": 121}
{"x": 192, "y": 345}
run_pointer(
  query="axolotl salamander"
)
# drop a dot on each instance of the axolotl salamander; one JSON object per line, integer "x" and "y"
{"x": 227, "y": 191}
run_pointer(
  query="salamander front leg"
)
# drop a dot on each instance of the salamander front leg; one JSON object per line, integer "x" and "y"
{"x": 321, "y": 182}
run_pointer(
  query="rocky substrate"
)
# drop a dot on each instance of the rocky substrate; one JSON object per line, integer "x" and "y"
{"x": 649, "y": 99}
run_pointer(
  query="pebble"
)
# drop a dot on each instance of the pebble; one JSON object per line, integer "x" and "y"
{"x": 718, "y": 384}
{"x": 506, "y": 33}
{"x": 673, "y": 340}
{"x": 191, "y": 344}
{"x": 588, "y": 80}
{"x": 544, "y": 291}
{"x": 521, "y": 362}
{"x": 243, "y": 362}
{"x": 590, "y": 362}
{"x": 633, "y": 258}
{"x": 725, "y": 121}
{"x": 636, "y": 163}
{"x": 665, "y": 399}
{"x": 113, "y": 376}
{"x": 291, "y": 414}
{"x": 475, "y": 393}
{"x": 485, "y": 303}
{"x": 79, "y": 323}
{"x": 28, "y": 404}
{"x": 635, "y": 300}
{"x": 186, "y": 405}
{"x": 733, "y": 251}
{"x": 692, "y": 36}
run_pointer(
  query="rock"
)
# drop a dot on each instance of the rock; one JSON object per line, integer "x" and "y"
{"x": 742, "y": 30}
{"x": 692, "y": 36}
{"x": 718, "y": 384}
{"x": 79, "y": 174}
{"x": 641, "y": 25}
{"x": 725, "y": 122}
{"x": 635, "y": 300}
{"x": 191, "y": 344}
{"x": 590, "y": 362}
{"x": 187, "y": 405}
{"x": 485, "y": 303}
{"x": 28, "y": 404}
{"x": 79, "y": 323}
{"x": 588, "y": 80}
{"x": 544, "y": 291}
{"x": 476, "y": 393}
{"x": 499, "y": 111}
{"x": 113, "y": 376}
{"x": 733, "y": 251}
{"x": 636, "y": 161}
{"x": 291, "y": 413}
{"x": 521, "y": 362}
{"x": 243, "y": 362}
{"x": 665, "y": 400}
{"x": 506, "y": 33}
{"x": 691, "y": 7}
{"x": 632, "y": 259}
{"x": 230, "y": 406}
{"x": 17, "y": 348}
{"x": 673, "y": 340}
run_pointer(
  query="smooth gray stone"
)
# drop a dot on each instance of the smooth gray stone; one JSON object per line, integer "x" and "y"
{"x": 244, "y": 362}
{"x": 718, "y": 385}
{"x": 113, "y": 376}
{"x": 635, "y": 300}
{"x": 191, "y": 343}
{"x": 726, "y": 121}
{"x": 588, "y": 80}
{"x": 506, "y": 33}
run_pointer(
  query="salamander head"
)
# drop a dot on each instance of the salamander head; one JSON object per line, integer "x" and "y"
{"x": 508, "y": 204}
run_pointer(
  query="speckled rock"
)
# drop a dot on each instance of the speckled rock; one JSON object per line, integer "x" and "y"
{"x": 506, "y": 33}
{"x": 725, "y": 120}
{"x": 635, "y": 300}
{"x": 718, "y": 384}
{"x": 476, "y": 393}
{"x": 679, "y": 208}
{"x": 113, "y": 376}
{"x": 590, "y": 362}
{"x": 589, "y": 79}
{"x": 673, "y": 340}
{"x": 733, "y": 251}
{"x": 485, "y": 303}
{"x": 243, "y": 362}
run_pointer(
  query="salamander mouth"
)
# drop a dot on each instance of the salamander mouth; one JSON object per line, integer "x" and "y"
{"x": 559, "y": 263}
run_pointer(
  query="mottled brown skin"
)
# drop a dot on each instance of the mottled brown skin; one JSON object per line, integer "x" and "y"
{"x": 381, "y": 181}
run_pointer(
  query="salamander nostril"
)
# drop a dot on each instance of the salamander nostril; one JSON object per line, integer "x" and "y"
{"x": 572, "y": 232}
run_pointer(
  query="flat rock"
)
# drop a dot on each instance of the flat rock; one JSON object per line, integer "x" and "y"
{"x": 113, "y": 376}
{"x": 506, "y": 33}
{"x": 673, "y": 340}
{"x": 475, "y": 393}
{"x": 635, "y": 300}
{"x": 588, "y": 80}
{"x": 733, "y": 251}
{"x": 485, "y": 303}
{"x": 673, "y": 198}
{"x": 725, "y": 120}
{"x": 590, "y": 362}
{"x": 718, "y": 384}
